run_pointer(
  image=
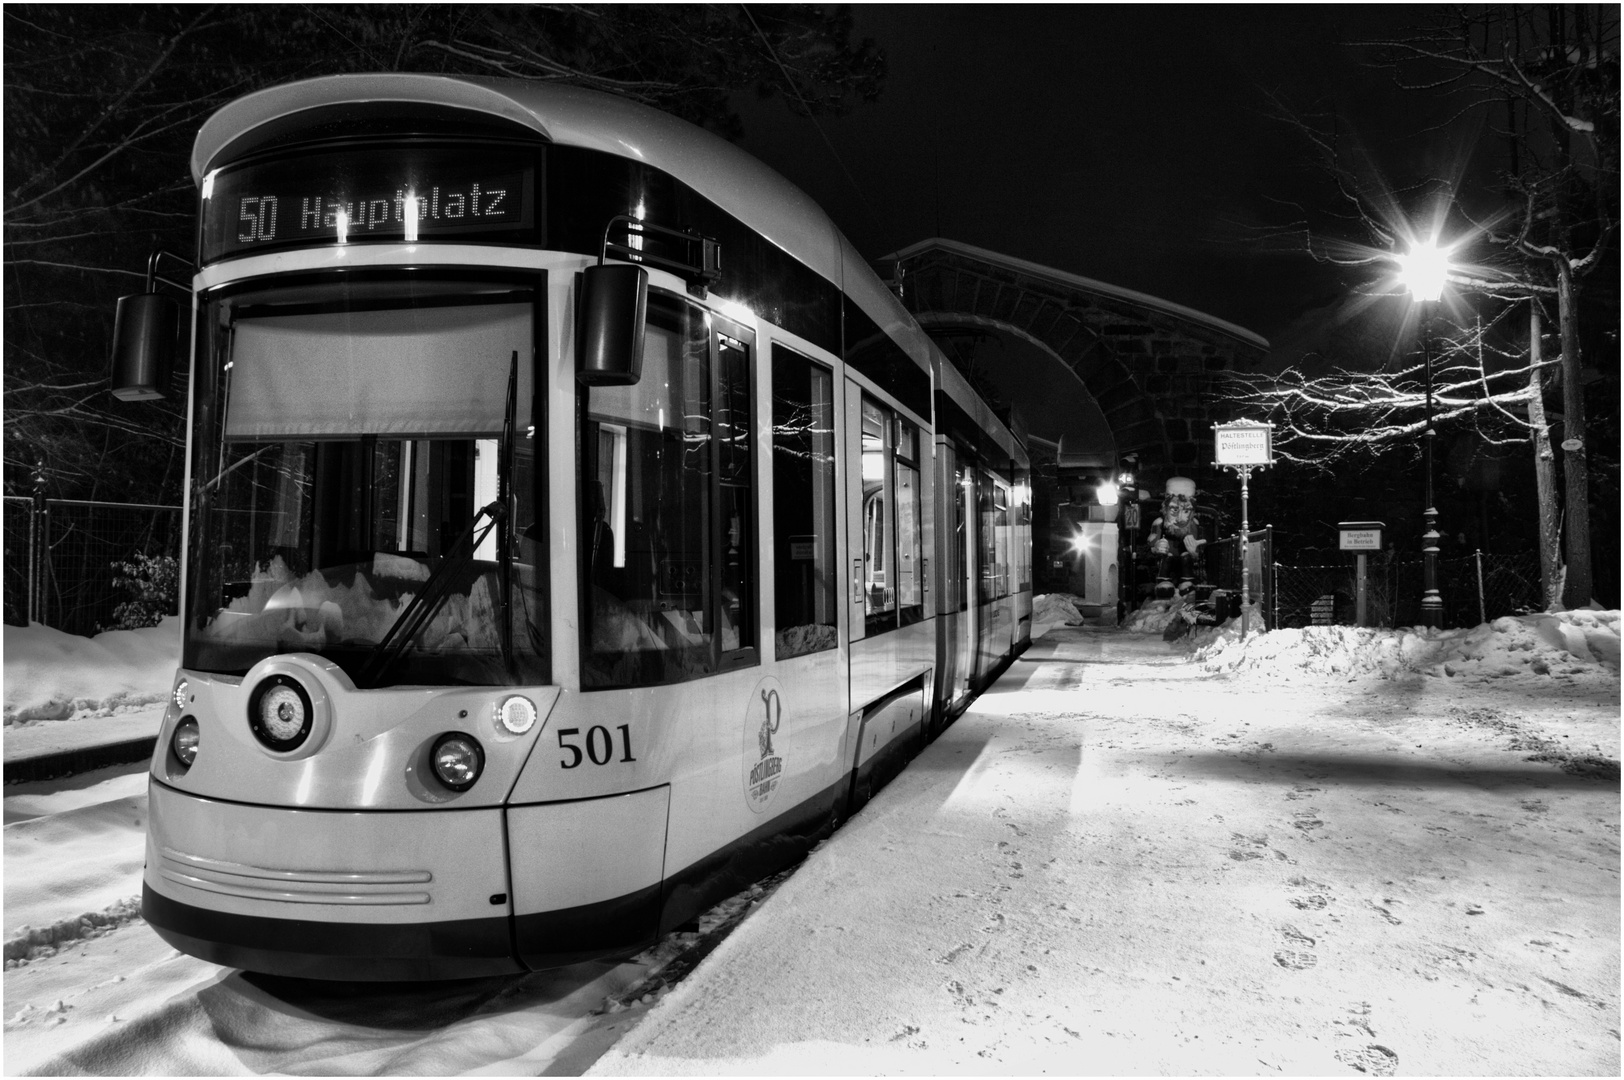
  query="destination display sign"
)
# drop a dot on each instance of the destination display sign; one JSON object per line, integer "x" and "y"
{"x": 411, "y": 194}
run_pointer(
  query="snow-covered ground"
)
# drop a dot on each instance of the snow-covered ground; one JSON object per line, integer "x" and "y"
{"x": 1296, "y": 855}
{"x": 53, "y": 676}
{"x": 1313, "y": 851}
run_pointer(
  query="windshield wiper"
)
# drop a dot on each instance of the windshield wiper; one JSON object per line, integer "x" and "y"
{"x": 428, "y": 601}
{"x": 504, "y": 495}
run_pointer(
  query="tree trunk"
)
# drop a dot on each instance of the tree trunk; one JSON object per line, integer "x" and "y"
{"x": 1576, "y": 594}
{"x": 1549, "y": 516}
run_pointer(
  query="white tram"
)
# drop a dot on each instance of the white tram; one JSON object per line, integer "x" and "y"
{"x": 578, "y": 530}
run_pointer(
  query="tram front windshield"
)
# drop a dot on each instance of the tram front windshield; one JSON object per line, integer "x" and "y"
{"x": 363, "y": 485}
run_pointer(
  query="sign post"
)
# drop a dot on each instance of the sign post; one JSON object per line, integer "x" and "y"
{"x": 1360, "y": 537}
{"x": 1244, "y": 445}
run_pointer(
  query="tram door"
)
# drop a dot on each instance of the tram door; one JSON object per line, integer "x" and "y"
{"x": 966, "y": 642}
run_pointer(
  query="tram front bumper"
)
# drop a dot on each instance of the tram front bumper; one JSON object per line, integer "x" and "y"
{"x": 329, "y": 894}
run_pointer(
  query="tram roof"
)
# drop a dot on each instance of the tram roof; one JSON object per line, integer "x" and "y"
{"x": 731, "y": 178}
{"x": 570, "y": 116}
{"x": 566, "y": 115}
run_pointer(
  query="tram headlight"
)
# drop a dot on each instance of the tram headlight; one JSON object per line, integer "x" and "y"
{"x": 516, "y": 714}
{"x": 458, "y": 760}
{"x": 183, "y": 744}
{"x": 182, "y": 692}
{"x": 280, "y": 713}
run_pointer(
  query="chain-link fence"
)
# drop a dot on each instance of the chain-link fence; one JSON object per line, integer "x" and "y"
{"x": 60, "y": 555}
{"x": 1475, "y": 588}
{"x": 1222, "y": 562}
{"x": 20, "y": 550}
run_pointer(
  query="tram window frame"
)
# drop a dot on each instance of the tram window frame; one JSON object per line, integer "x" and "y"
{"x": 877, "y": 514}
{"x": 806, "y": 573}
{"x": 963, "y": 480}
{"x": 525, "y": 595}
{"x": 1021, "y": 533}
{"x": 909, "y": 534}
{"x": 663, "y": 641}
{"x": 992, "y": 506}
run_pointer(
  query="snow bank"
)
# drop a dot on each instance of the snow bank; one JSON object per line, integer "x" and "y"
{"x": 1563, "y": 644}
{"x": 1054, "y": 609}
{"x": 1154, "y": 616}
{"x": 51, "y": 675}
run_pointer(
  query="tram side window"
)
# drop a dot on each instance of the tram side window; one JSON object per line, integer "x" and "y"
{"x": 1002, "y": 535}
{"x": 910, "y": 566}
{"x": 958, "y": 585}
{"x": 1022, "y": 512}
{"x": 803, "y": 433}
{"x": 879, "y": 541}
{"x": 992, "y": 503}
{"x": 667, "y": 512}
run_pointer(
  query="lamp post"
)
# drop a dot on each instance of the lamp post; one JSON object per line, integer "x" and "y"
{"x": 1423, "y": 270}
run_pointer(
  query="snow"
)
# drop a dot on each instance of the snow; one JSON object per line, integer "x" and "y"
{"x": 50, "y": 675}
{"x": 343, "y": 604}
{"x": 1320, "y": 851}
{"x": 1563, "y": 647}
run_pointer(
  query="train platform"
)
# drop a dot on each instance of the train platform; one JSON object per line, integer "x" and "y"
{"x": 49, "y": 748}
{"x": 1117, "y": 862}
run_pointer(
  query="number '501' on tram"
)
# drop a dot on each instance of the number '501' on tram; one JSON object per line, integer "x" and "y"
{"x": 577, "y": 530}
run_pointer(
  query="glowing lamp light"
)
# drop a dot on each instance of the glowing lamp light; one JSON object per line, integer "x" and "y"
{"x": 411, "y": 213}
{"x": 1107, "y": 493}
{"x": 1422, "y": 270}
{"x": 343, "y": 227}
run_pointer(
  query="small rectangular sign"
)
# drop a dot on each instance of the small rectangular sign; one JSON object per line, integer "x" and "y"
{"x": 1362, "y": 539}
{"x": 1243, "y": 444}
{"x": 803, "y": 547}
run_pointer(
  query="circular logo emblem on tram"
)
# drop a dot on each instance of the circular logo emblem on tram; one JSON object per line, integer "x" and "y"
{"x": 763, "y": 764}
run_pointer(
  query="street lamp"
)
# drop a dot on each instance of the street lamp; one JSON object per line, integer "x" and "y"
{"x": 1422, "y": 270}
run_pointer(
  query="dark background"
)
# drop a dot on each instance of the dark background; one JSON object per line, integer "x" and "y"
{"x": 1134, "y": 145}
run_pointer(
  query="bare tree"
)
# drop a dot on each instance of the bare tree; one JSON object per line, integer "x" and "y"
{"x": 1547, "y": 77}
{"x": 1543, "y": 81}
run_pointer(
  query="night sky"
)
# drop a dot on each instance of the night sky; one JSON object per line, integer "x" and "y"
{"x": 1131, "y": 145}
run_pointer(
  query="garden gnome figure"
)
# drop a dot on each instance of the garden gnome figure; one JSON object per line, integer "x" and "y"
{"x": 1175, "y": 538}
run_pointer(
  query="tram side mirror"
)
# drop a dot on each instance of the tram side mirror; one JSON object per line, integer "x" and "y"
{"x": 614, "y": 307}
{"x": 144, "y": 330}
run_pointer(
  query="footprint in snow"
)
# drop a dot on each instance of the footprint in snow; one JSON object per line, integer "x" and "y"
{"x": 1295, "y": 959}
{"x": 1295, "y": 936}
{"x": 1373, "y": 1060}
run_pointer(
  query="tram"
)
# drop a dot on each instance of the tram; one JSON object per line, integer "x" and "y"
{"x": 578, "y": 530}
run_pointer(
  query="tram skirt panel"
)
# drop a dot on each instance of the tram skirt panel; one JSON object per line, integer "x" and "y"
{"x": 586, "y": 875}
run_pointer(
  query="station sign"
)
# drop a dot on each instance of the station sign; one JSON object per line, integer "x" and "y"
{"x": 1360, "y": 535}
{"x": 1244, "y": 442}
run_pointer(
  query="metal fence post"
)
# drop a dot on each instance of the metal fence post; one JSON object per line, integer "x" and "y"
{"x": 36, "y": 546}
{"x": 1482, "y": 612}
{"x": 1274, "y": 577}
